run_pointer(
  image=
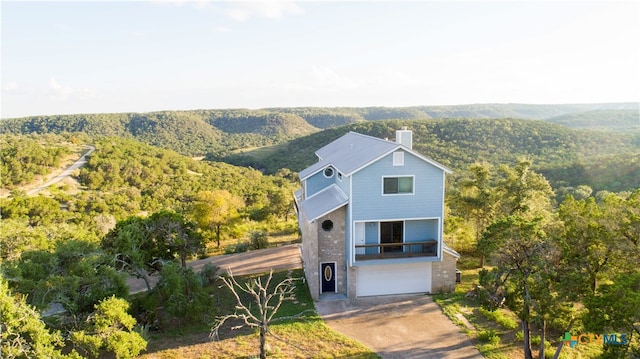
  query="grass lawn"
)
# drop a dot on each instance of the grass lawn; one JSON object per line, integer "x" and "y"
{"x": 260, "y": 153}
{"x": 307, "y": 337}
{"x": 278, "y": 235}
{"x": 498, "y": 334}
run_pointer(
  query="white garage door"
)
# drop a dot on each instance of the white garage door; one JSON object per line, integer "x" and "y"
{"x": 393, "y": 279}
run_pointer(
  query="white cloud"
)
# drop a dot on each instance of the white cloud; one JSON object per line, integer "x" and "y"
{"x": 242, "y": 11}
{"x": 59, "y": 90}
{"x": 62, "y": 92}
{"x": 326, "y": 78}
{"x": 11, "y": 87}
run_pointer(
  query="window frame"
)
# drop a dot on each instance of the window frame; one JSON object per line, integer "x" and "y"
{"x": 413, "y": 185}
{"x": 324, "y": 172}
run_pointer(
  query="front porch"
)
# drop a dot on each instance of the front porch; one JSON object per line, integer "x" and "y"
{"x": 428, "y": 248}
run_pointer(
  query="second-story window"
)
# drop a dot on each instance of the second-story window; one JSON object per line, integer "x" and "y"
{"x": 328, "y": 172}
{"x": 397, "y": 185}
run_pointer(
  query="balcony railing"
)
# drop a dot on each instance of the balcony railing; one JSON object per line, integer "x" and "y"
{"x": 427, "y": 248}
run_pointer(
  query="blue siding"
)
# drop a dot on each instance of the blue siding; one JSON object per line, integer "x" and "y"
{"x": 318, "y": 182}
{"x": 371, "y": 233}
{"x": 369, "y": 203}
{"x": 422, "y": 230}
{"x": 343, "y": 184}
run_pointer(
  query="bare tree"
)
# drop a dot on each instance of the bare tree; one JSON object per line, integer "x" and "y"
{"x": 268, "y": 303}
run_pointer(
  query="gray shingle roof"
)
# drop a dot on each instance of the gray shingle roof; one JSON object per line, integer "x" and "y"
{"x": 352, "y": 151}
{"x": 323, "y": 202}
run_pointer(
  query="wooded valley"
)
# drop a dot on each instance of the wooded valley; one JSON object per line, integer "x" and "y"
{"x": 546, "y": 196}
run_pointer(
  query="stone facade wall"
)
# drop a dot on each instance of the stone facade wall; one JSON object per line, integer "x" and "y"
{"x": 310, "y": 264}
{"x": 443, "y": 274}
{"x": 331, "y": 246}
{"x": 351, "y": 282}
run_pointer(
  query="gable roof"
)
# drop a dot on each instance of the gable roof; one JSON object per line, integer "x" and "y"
{"x": 353, "y": 151}
{"x": 323, "y": 202}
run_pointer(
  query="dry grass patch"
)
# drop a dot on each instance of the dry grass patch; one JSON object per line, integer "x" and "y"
{"x": 306, "y": 337}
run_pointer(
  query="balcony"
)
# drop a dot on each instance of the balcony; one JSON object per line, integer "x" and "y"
{"x": 427, "y": 248}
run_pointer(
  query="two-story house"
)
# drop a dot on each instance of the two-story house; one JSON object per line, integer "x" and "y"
{"x": 371, "y": 214}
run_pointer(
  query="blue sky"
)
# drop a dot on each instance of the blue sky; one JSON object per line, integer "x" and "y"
{"x": 116, "y": 56}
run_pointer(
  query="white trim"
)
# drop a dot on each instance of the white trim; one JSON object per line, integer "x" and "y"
{"x": 451, "y": 251}
{"x": 335, "y": 276}
{"x": 441, "y": 222}
{"x": 413, "y": 185}
{"x": 351, "y": 228}
{"x": 333, "y": 172}
{"x": 395, "y": 219}
{"x": 410, "y": 151}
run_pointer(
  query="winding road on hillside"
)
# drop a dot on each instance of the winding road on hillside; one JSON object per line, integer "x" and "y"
{"x": 66, "y": 173}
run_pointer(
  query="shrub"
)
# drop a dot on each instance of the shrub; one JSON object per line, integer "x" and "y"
{"x": 488, "y": 336}
{"x": 237, "y": 248}
{"x": 519, "y": 336}
{"x": 178, "y": 297}
{"x": 535, "y": 339}
{"x": 501, "y": 317}
{"x": 258, "y": 239}
{"x": 208, "y": 274}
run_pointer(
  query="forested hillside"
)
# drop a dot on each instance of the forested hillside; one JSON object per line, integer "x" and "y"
{"x": 192, "y": 133}
{"x": 220, "y": 132}
{"x": 619, "y": 120}
{"x": 567, "y": 157}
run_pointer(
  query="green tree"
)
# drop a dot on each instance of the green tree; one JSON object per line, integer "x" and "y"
{"x": 590, "y": 245}
{"x": 22, "y": 333}
{"x": 179, "y": 296}
{"x": 280, "y": 201}
{"x": 132, "y": 249}
{"x": 475, "y": 198}
{"x": 213, "y": 210}
{"x": 172, "y": 233}
{"x": 518, "y": 245}
{"x": 524, "y": 192}
{"x": 616, "y": 308}
{"x": 110, "y": 328}
{"x": 521, "y": 251}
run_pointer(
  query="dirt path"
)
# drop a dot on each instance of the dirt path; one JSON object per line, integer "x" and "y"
{"x": 259, "y": 261}
{"x": 66, "y": 173}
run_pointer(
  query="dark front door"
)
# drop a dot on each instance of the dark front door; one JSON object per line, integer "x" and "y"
{"x": 391, "y": 232}
{"x": 328, "y": 274}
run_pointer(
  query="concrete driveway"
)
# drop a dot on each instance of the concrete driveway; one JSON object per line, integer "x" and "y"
{"x": 399, "y": 327}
